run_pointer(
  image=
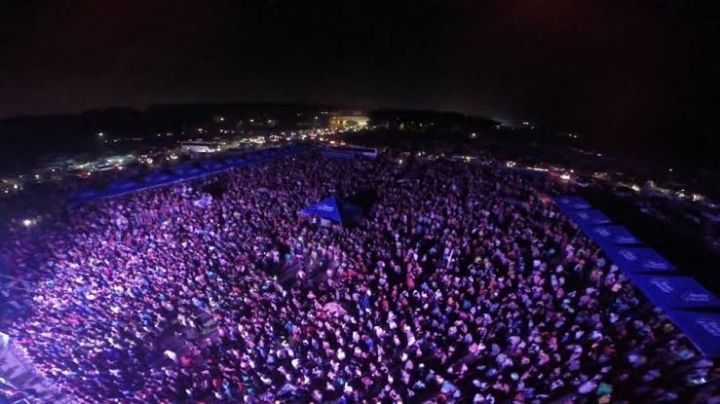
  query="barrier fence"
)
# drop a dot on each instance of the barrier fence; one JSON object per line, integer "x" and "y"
{"x": 689, "y": 305}
{"x": 186, "y": 171}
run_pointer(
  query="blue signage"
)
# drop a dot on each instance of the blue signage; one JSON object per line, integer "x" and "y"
{"x": 572, "y": 202}
{"x": 611, "y": 235}
{"x": 677, "y": 292}
{"x": 588, "y": 217}
{"x": 703, "y": 329}
{"x": 639, "y": 260}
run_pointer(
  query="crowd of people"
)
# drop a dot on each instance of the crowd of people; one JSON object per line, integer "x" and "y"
{"x": 461, "y": 283}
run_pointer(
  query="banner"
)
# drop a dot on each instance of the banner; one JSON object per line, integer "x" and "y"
{"x": 570, "y": 203}
{"x": 159, "y": 177}
{"x": 639, "y": 260}
{"x": 675, "y": 292}
{"x": 213, "y": 165}
{"x": 590, "y": 217}
{"x": 337, "y": 155}
{"x": 124, "y": 185}
{"x": 187, "y": 170}
{"x": 608, "y": 235}
{"x": 703, "y": 329}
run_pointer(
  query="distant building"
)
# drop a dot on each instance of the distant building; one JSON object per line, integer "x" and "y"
{"x": 199, "y": 146}
{"x": 257, "y": 125}
{"x": 348, "y": 121}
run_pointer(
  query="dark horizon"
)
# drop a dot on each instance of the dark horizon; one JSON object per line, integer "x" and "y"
{"x": 641, "y": 77}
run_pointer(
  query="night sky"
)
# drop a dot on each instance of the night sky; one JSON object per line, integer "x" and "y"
{"x": 620, "y": 72}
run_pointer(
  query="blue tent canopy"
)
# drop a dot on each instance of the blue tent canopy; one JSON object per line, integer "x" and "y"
{"x": 639, "y": 260}
{"x": 676, "y": 292}
{"x": 572, "y": 202}
{"x": 611, "y": 235}
{"x": 335, "y": 209}
{"x": 703, "y": 329}
{"x": 588, "y": 217}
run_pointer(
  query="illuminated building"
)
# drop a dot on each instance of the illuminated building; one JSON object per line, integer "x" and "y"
{"x": 348, "y": 121}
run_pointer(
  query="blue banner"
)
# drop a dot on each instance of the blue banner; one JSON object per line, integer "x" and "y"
{"x": 187, "y": 170}
{"x": 337, "y": 155}
{"x": 234, "y": 161}
{"x": 703, "y": 329}
{"x": 608, "y": 235}
{"x": 213, "y": 165}
{"x": 590, "y": 217}
{"x": 572, "y": 202}
{"x": 639, "y": 260}
{"x": 675, "y": 292}
{"x": 124, "y": 185}
{"x": 159, "y": 177}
